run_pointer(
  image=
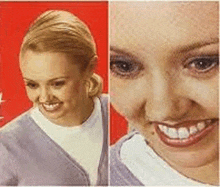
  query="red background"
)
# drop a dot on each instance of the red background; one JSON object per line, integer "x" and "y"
{"x": 118, "y": 126}
{"x": 15, "y": 18}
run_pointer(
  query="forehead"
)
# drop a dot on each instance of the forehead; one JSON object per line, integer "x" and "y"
{"x": 164, "y": 25}
{"x": 47, "y": 65}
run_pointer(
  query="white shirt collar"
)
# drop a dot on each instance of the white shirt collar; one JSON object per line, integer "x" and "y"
{"x": 148, "y": 167}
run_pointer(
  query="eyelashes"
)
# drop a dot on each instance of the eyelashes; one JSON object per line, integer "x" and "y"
{"x": 56, "y": 84}
{"x": 126, "y": 68}
{"x": 202, "y": 65}
{"x": 32, "y": 85}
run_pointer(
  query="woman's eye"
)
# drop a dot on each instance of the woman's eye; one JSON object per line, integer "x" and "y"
{"x": 125, "y": 67}
{"x": 203, "y": 64}
{"x": 32, "y": 85}
{"x": 58, "y": 84}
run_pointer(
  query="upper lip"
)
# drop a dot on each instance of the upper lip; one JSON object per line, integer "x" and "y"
{"x": 186, "y": 123}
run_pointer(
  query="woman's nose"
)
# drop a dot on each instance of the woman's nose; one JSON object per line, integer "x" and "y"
{"x": 45, "y": 95}
{"x": 166, "y": 103}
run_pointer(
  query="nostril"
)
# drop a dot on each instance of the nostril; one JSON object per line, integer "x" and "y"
{"x": 174, "y": 109}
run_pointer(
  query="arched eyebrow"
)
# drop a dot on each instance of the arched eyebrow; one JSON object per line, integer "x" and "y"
{"x": 180, "y": 49}
{"x": 197, "y": 45}
{"x": 56, "y": 78}
{"x": 26, "y": 79}
{"x": 120, "y": 51}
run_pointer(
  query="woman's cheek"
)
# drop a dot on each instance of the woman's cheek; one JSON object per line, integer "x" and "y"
{"x": 70, "y": 91}
{"x": 206, "y": 94}
{"x": 210, "y": 99}
{"x": 32, "y": 95}
{"x": 126, "y": 100}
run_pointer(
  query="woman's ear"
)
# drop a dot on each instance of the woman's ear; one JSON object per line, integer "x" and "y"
{"x": 95, "y": 85}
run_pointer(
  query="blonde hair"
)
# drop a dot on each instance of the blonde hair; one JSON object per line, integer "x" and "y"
{"x": 61, "y": 31}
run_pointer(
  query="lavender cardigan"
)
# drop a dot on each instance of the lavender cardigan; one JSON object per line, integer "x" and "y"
{"x": 29, "y": 157}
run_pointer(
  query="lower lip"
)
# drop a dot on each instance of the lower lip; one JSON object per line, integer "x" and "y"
{"x": 54, "y": 109}
{"x": 191, "y": 140}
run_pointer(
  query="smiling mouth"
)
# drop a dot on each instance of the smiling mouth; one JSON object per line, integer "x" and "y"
{"x": 51, "y": 107}
{"x": 186, "y": 133}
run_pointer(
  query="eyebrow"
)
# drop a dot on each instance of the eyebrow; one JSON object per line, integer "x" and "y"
{"x": 26, "y": 79}
{"x": 121, "y": 51}
{"x": 197, "y": 45}
{"x": 181, "y": 49}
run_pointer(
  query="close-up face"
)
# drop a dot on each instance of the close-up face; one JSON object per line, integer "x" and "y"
{"x": 164, "y": 76}
{"x": 54, "y": 84}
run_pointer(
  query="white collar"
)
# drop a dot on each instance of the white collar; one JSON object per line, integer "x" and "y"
{"x": 148, "y": 167}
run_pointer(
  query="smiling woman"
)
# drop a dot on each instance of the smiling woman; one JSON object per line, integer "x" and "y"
{"x": 164, "y": 80}
{"x": 63, "y": 139}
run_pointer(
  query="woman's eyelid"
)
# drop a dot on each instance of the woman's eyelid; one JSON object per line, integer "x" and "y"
{"x": 31, "y": 84}
{"x": 214, "y": 58}
{"x": 202, "y": 72}
{"x": 126, "y": 58}
{"x": 57, "y": 83}
{"x": 123, "y": 54}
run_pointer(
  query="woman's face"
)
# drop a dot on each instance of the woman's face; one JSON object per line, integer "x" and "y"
{"x": 164, "y": 76}
{"x": 55, "y": 85}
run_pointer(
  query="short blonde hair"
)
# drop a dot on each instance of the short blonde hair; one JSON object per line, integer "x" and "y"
{"x": 61, "y": 31}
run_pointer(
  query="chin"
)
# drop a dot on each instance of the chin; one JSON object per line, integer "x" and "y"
{"x": 53, "y": 115}
{"x": 192, "y": 158}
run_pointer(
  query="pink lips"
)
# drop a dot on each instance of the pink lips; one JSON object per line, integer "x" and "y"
{"x": 191, "y": 138}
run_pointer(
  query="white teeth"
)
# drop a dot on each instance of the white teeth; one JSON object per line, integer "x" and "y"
{"x": 193, "y": 130}
{"x": 50, "y": 106}
{"x": 201, "y": 125}
{"x": 163, "y": 128}
{"x": 183, "y": 133}
{"x": 172, "y": 133}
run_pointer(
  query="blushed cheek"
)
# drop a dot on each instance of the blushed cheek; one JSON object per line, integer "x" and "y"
{"x": 77, "y": 87}
{"x": 208, "y": 98}
{"x": 73, "y": 92}
{"x": 210, "y": 102}
{"x": 128, "y": 97}
{"x": 32, "y": 97}
{"x": 126, "y": 104}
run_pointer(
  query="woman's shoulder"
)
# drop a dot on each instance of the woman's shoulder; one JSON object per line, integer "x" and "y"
{"x": 16, "y": 128}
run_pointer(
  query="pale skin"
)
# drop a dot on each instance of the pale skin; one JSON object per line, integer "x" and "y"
{"x": 158, "y": 45}
{"x": 53, "y": 78}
